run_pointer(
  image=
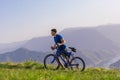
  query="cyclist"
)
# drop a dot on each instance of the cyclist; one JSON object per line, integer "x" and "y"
{"x": 59, "y": 45}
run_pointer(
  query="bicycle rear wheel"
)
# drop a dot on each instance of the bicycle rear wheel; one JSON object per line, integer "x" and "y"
{"x": 77, "y": 63}
{"x": 50, "y": 62}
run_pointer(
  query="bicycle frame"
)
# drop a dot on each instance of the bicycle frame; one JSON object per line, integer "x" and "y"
{"x": 63, "y": 59}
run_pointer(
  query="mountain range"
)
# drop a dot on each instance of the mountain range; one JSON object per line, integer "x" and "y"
{"x": 21, "y": 55}
{"x": 98, "y": 46}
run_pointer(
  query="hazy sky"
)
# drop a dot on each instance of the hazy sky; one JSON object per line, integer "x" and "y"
{"x": 25, "y": 19}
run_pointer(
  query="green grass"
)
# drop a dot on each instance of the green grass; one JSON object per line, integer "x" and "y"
{"x": 35, "y": 71}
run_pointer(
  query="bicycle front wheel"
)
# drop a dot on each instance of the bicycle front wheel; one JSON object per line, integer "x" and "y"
{"x": 50, "y": 62}
{"x": 77, "y": 63}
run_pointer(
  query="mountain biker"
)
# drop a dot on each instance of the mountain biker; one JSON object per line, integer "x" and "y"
{"x": 59, "y": 45}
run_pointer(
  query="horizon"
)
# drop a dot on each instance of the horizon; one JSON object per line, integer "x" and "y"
{"x": 26, "y": 19}
{"x": 60, "y": 31}
{"x": 49, "y": 34}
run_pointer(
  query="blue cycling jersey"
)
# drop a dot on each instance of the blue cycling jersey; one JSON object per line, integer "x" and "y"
{"x": 58, "y": 39}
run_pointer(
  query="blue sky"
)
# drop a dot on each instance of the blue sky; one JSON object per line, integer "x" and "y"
{"x": 25, "y": 19}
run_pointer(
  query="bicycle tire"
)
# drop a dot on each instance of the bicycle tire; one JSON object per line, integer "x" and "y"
{"x": 46, "y": 65}
{"x": 80, "y": 60}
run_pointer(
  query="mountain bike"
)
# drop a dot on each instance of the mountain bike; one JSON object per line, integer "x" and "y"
{"x": 75, "y": 63}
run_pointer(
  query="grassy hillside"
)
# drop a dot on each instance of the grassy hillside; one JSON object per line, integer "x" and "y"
{"x": 35, "y": 71}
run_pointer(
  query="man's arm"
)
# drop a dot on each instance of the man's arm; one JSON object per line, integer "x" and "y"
{"x": 63, "y": 42}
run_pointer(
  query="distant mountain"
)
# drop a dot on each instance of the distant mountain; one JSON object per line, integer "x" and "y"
{"x": 7, "y": 47}
{"x": 98, "y": 46}
{"x": 115, "y": 65}
{"x": 88, "y": 38}
{"x": 95, "y": 46}
{"x": 112, "y": 32}
{"x": 21, "y": 55}
{"x": 39, "y": 44}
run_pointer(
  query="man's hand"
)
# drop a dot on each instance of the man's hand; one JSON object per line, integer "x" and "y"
{"x": 52, "y": 47}
{"x": 59, "y": 44}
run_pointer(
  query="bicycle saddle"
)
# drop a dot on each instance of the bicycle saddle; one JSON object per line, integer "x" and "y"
{"x": 72, "y": 48}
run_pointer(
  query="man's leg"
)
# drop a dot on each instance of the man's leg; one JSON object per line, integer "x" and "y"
{"x": 58, "y": 59}
{"x": 66, "y": 55}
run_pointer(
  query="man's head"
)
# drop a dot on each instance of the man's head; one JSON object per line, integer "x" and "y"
{"x": 53, "y": 32}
